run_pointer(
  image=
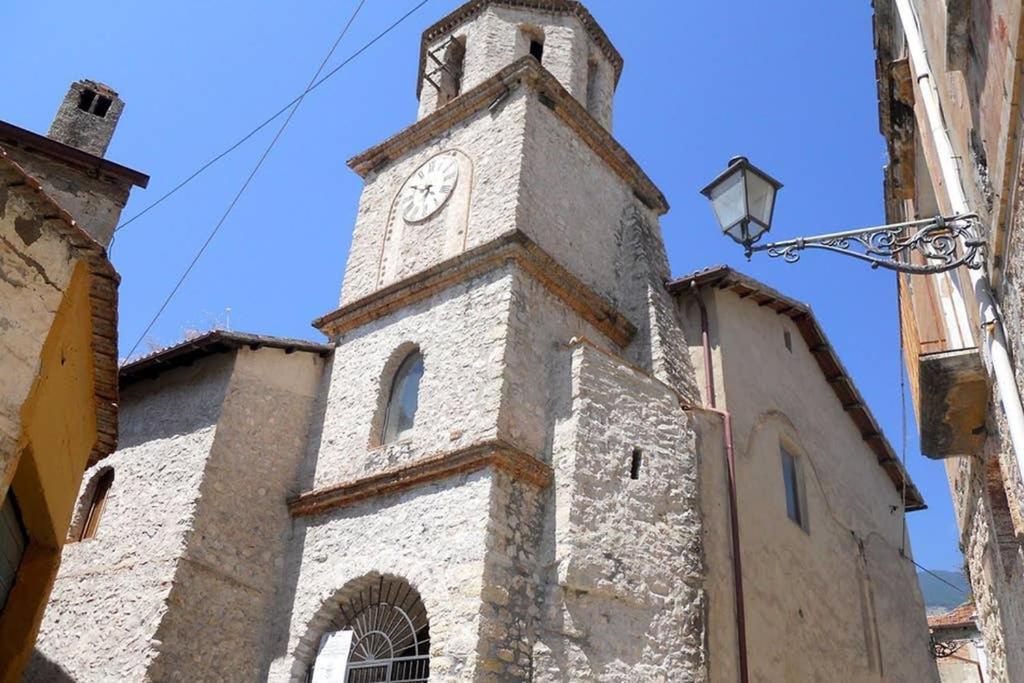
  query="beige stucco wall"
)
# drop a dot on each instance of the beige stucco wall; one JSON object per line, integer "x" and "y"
{"x": 837, "y": 596}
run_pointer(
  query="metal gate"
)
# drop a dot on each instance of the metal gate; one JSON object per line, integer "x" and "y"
{"x": 390, "y": 634}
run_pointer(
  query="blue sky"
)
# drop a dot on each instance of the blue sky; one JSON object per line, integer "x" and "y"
{"x": 789, "y": 84}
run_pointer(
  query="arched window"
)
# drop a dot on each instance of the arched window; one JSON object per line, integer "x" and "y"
{"x": 451, "y": 71}
{"x": 91, "y": 522}
{"x": 404, "y": 397}
{"x": 382, "y": 635}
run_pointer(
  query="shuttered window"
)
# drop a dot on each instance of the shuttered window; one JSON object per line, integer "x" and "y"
{"x": 13, "y": 540}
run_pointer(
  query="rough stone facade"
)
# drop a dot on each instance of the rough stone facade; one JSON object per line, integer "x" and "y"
{"x": 87, "y": 117}
{"x": 182, "y": 573}
{"x": 975, "y": 51}
{"x": 546, "y": 506}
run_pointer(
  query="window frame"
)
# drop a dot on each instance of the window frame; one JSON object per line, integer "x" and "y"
{"x": 97, "y": 504}
{"x": 793, "y": 486}
{"x": 390, "y": 430}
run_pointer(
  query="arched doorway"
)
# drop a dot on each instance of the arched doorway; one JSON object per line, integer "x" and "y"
{"x": 382, "y": 636}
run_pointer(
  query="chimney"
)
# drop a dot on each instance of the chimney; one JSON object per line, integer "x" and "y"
{"x": 87, "y": 117}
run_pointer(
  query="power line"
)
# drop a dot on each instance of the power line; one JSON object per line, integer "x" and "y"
{"x": 958, "y": 589}
{"x": 313, "y": 84}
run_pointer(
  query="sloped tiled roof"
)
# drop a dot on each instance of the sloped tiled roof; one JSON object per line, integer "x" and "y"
{"x": 965, "y": 615}
{"x": 216, "y": 341}
{"x": 726, "y": 278}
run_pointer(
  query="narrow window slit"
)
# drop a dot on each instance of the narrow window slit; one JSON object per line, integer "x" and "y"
{"x": 537, "y": 50}
{"x": 635, "y": 462}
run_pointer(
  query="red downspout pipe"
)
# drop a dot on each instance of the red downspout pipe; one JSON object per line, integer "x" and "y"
{"x": 737, "y": 564}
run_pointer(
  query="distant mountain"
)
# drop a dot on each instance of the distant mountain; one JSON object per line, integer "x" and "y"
{"x": 938, "y": 597}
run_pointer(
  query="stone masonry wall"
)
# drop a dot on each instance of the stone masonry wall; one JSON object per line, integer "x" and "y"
{"x": 433, "y": 536}
{"x": 225, "y": 584}
{"x": 491, "y": 143}
{"x": 461, "y": 333}
{"x": 500, "y": 35}
{"x": 621, "y": 562}
{"x": 113, "y": 588}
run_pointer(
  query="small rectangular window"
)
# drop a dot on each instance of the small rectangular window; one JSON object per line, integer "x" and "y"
{"x": 787, "y": 339}
{"x": 792, "y": 478}
{"x": 537, "y": 50}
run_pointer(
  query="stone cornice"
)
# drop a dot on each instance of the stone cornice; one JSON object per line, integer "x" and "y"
{"x": 563, "y": 7}
{"x": 514, "y": 247}
{"x": 526, "y": 71}
{"x": 492, "y": 453}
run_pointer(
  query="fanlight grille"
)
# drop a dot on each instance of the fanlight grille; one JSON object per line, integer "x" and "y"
{"x": 390, "y": 634}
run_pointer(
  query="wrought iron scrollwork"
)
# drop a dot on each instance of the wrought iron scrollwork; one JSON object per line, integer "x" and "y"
{"x": 944, "y": 244}
{"x": 944, "y": 648}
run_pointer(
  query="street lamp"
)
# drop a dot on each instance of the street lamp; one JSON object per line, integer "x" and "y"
{"x": 743, "y": 199}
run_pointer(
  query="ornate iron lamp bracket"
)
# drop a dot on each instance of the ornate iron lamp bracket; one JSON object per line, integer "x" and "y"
{"x": 938, "y": 240}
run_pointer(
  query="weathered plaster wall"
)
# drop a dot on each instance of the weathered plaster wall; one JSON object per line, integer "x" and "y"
{"x": 499, "y": 36}
{"x": 974, "y": 48}
{"x": 843, "y": 576}
{"x": 622, "y": 559}
{"x": 36, "y": 266}
{"x": 58, "y": 421}
{"x": 95, "y": 201}
{"x": 384, "y": 248}
{"x": 114, "y": 588}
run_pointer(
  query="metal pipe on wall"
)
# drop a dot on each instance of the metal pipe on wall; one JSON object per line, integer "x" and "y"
{"x": 730, "y": 459}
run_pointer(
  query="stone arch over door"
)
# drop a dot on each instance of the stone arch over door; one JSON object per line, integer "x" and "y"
{"x": 380, "y": 623}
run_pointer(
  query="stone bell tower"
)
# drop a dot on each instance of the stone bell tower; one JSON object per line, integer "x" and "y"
{"x": 504, "y": 466}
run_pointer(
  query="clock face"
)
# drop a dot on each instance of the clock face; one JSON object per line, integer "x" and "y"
{"x": 429, "y": 188}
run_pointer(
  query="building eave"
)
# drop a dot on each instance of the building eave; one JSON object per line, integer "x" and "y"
{"x": 214, "y": 342}
{"x": 15, "y": 136}
{"x": 563, "y": 7}
{"x": 850, "y": 398}
{"x": 524, "y": 71}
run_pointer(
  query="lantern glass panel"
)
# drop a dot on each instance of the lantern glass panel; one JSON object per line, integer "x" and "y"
{"x": 755, "y": 230}
{"x": 760, "y": 197}
{"x": 728, "y": 199}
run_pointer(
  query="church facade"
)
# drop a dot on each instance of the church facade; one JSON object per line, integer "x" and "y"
{"x": 524, "y": 453}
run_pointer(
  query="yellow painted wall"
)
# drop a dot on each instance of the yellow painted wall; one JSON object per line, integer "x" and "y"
{"x": 58, "y": 432}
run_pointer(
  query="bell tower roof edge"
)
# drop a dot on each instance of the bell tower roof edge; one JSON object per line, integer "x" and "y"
{"x": 473, "y": 8}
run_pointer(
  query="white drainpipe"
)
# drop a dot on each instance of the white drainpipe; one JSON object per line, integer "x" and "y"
{"x": 992, "y": 333}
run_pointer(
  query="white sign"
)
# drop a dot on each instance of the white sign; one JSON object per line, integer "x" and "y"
{"x": 331, "y": 663}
